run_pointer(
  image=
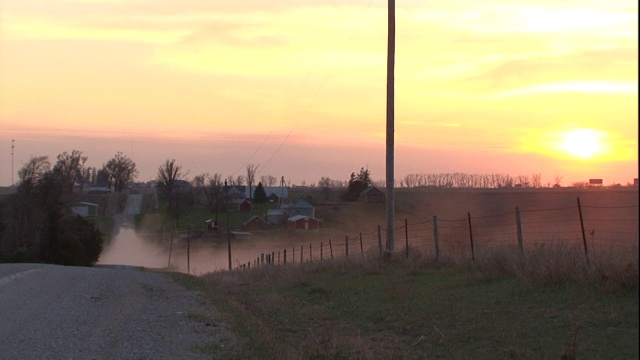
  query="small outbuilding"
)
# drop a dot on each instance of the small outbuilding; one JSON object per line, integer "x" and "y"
{"x": 373, "y": 195}
{"x": 245, "y": 206}
{"x": 275, "y": 216}
{"x": 212, "y": 225}
{"x": 301, "y": 222}
{"x": 84, "y": 209}
{"x": 255, "y": 223}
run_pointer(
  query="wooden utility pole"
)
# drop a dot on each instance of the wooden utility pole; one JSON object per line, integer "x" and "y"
{"x": 391, "y": 48}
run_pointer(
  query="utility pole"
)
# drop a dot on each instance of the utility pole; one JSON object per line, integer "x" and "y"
{"x": 226, "y": 192}
{"x": 391, "y": 48}
{"x": 12, "y": 146}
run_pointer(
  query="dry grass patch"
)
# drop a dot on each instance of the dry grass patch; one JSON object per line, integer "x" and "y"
{"x": 549, "y": 303}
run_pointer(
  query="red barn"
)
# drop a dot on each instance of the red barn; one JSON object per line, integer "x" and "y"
{"x": 301, "y": 222}
{"x": 245, "y": 206}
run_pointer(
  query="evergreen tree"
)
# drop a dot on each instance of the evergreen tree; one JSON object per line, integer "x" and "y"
{"x": 260, "y": 196}
{"x": 357, "y": 184}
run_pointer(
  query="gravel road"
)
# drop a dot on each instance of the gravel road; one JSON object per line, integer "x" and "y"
{"x": 117, "y": 312}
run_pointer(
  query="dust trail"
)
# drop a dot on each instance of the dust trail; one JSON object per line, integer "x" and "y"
{"x": 127, "y": 248}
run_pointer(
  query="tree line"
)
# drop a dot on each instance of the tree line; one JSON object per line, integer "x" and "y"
{"x": 35, "y": 226}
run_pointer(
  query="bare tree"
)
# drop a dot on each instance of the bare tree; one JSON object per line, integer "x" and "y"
{"x": 121, "y": 170}
{"x": 212, "y": 187}
{"x": 536, "y": 180}
{"x": 268, "y": 180}
{"x": 251, "y": 176}
{"x": 557, "y": 180}
{"x": 69, "y": 169}
{"x": 325, "y": 186}
{"x": 169, "y": 174}
{"x": 33, "y": 171}
{"x": 523, "y": 180}
{"x": 239, "y": 181}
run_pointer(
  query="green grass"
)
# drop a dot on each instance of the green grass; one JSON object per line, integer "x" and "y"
{"x": 406, "y": 309}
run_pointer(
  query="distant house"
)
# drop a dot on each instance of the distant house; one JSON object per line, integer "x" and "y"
{"x": 302, "y": 207}
{"x": 84, "y": 209}
{"x": 373, "y": 195}
{"x": 255, "y": 223}
{"x": 301, "y": 222}
{"x": 235, "y": 195}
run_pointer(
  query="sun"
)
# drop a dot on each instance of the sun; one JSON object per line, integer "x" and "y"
{"x": 582, "y": 143}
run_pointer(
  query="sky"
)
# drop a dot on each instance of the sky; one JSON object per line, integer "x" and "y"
{"x": 298, "y": 87}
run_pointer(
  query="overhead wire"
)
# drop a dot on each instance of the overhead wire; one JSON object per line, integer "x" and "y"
{"x": 299, "y": 91}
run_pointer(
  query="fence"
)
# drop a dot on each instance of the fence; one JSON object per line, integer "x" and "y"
{"x": 591, "y": 227}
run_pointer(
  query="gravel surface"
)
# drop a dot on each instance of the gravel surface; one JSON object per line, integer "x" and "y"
{"x": 117, "y": 312}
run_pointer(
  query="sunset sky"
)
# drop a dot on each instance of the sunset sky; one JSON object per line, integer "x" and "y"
{"x": 298, "y": 87}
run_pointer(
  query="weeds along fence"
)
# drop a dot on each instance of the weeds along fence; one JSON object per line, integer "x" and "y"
{"x": 593, "y": 228}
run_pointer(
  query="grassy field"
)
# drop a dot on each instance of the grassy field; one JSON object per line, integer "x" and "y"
{"x": 548, "y": 307}
{"x": 549, "y": 304}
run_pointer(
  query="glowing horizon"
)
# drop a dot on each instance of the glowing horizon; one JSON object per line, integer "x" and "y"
{"x": 293, "y": 83}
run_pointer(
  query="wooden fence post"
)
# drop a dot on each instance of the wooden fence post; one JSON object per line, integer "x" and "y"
{"x": 284, "y": 256}
{"x": 293, "y": 255}
{"x": 406, "y": 235}
{"x": 301, "y": 254}
{"x": 346, "y": 246}
{"x": 188, "y": 249}
{"x": 170, "y": 247}
{"x": 435, "y": 236}
{"x": 519, "y": 229}
{"x": 361, "y": 249}
{"x": 310, "y": 253}
{"x": 320, "y": 250}
{"x": 473, "y": 258}
{"x": 380, "y": 239}
{"x": 584, "y": 237}
{"x": 278, "y": 257}
{"x": 331, "y": 249}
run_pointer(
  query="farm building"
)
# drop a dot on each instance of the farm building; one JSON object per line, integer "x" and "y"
{"x": 275, "y": 216}
{"x": 302, "y": 207}
{"x": 373, "y": 195}
{"x": 255, "y": 223}
{"x": 84, "y": 209}
{"x": 245, "y": 206}
{"x": 301, "y": 222}
{"x": 235, "y": 195}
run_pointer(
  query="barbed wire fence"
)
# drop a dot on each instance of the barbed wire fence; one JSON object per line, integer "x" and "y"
{"x": 591, "y": 227}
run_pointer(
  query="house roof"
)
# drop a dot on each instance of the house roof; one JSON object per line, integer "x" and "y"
{"x": 255, "y": 218}
{"x": 301, "y": 204}
{"x": 300, "y": 217}
{"x": 84, "y": 204}
{"x": 372, "y": 189}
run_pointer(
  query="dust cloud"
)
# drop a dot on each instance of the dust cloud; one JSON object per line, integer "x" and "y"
{"x": 127, "y": 248}
{"x": 196, "y": 256}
